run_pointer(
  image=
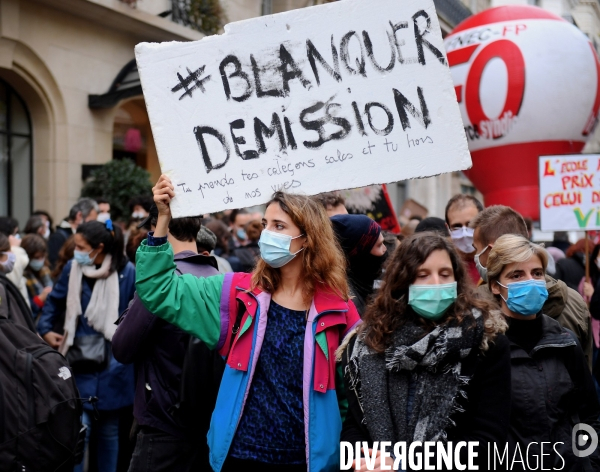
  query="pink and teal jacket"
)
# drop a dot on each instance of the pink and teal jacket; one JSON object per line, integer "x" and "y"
{"x": 207, "y": 308}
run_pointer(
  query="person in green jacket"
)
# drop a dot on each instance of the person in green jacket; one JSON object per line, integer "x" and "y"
{"x": 278, "y": 328}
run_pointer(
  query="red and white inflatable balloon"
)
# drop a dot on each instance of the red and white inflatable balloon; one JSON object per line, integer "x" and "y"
{"x": 528, "y": 84}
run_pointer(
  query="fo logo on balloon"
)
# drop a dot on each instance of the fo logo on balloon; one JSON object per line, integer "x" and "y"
{"x": 528, "y": 85}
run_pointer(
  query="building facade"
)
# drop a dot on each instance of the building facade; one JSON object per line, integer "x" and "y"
{"x": 70, "y": 97}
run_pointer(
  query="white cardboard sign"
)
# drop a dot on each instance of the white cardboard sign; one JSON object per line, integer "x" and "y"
{"x": 570, "y": 192}
{"x": 330, "y": 97}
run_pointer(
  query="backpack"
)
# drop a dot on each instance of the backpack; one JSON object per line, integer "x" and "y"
{"x": 201, "y": 379}
{"x": 40, "y": 408}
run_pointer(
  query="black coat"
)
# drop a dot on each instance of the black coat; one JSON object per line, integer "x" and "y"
{"x": 552, "y": 390}
{"x": 487, "y": 411}
{"x": 571, "y": 270}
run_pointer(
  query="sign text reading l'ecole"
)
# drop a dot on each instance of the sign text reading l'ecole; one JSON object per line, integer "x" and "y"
{"x": 570, "y": 192}
{"x": 323, "y": 98}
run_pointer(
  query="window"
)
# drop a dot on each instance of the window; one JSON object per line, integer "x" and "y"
{"x": 16, "y": 155}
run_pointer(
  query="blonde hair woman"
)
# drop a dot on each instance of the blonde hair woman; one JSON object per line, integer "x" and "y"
{"x": 278, "y": 327}
{"x": 552, "y": 389}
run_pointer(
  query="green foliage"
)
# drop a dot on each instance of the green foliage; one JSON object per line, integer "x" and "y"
{"x": 206, "y": 16}
{"x": 118, "y": 181}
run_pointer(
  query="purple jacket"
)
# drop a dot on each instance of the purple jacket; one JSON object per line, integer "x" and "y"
{"x": 158, "y": 350}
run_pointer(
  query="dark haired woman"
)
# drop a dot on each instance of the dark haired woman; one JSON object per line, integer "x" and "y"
{"x": 93, "y": 289}
{"x": 429, "y": 362}
{"x": 279, "y": 327}
{"x": 37, "y": 273}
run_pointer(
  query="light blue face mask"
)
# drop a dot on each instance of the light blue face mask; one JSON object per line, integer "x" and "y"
{"x": 526, "y": 297}
{"x": 241, "y": 234}
{"x": 431, "y": 301}
{"x": 36, "y": 264}
{"x": 83, "y": 258}
{"x": 275, "y": 248}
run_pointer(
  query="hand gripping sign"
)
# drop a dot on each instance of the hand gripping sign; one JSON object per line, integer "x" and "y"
{"x": 528, "y": 84}
{"x": 329, "y": 97}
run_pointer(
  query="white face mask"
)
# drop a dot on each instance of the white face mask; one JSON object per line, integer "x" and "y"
{"x": 463, "y": 239}
{"x": 139, "y": 215}
{"x": 103, "y": 217}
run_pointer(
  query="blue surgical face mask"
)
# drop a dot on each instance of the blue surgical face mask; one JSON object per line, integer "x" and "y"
{"x": 83, "y": 258}
{"x": 241, "y": 234}
{"x": 275, "y": 248}
{"x": 526, "y": 297}
{"x": 482, "y": 270}
{"x": 36, "y": 264}
{"x": 7, "y": 266}
{"x": 431, "y": 301}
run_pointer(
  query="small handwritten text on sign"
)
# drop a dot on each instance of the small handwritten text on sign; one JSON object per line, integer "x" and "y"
{"x": 570, "y": 192}
{"x": 324, "y": 98}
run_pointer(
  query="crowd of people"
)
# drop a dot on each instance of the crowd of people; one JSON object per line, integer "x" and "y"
{"x": 259, "y": 340}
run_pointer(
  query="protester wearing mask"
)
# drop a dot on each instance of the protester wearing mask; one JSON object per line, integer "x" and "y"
{"x": 552, "y": 388}
{"x": 460, "y": 211}
{"x": 564, "y": 304}
{"x": 83, "y": 211}
{"x": 362, "y": 242}
{"x": 7, "y": 258}
{"x": 37, "y": 273}
{"x": 408, "y": 378}
{"x": 249, "y": 254}
{"x": 37, "y": 225}
{"x": 277, "y": 407}
{"x": 10, "y": 228}
{"x": 103, "y": 210}
{"x": 239, "y": 220}
{"x": 93, "y": 289}
{"x": 48, "y": 222}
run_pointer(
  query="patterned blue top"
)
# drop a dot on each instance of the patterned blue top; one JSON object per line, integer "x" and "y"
{"x": 271, "y": 429}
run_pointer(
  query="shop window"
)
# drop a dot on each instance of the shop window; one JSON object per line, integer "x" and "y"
{"x": 16, "y": 155}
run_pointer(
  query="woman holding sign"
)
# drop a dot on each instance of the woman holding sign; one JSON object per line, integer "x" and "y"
{"x": 429, "y": 363}
{"x": 278, "y": 327}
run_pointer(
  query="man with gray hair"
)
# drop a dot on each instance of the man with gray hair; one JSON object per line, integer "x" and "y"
{"x": 86, "y": 209}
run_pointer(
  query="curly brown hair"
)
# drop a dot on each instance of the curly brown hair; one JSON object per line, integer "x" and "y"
{"x": 390, "y": 310}
{"x": 323, "y": 261}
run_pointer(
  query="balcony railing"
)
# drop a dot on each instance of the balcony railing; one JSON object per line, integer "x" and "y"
{"x": 206, "y": 16}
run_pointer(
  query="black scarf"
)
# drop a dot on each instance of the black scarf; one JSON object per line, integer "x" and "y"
{"x": 432, "y": 361}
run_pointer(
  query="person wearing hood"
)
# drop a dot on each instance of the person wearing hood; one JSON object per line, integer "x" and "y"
{"x": 564, "y": 304}
{"x": 460, "y": 210}
{"x": 571, "y": 269}
{"x": 362, "y": 242}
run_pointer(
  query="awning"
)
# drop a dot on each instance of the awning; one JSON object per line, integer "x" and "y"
{"x": 126, "y": 84}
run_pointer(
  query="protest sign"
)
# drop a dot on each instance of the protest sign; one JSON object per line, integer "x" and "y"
{"x": 330, "y": 97}
{"x": 570, "y": 192}
{"x": 373, "y": 201}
